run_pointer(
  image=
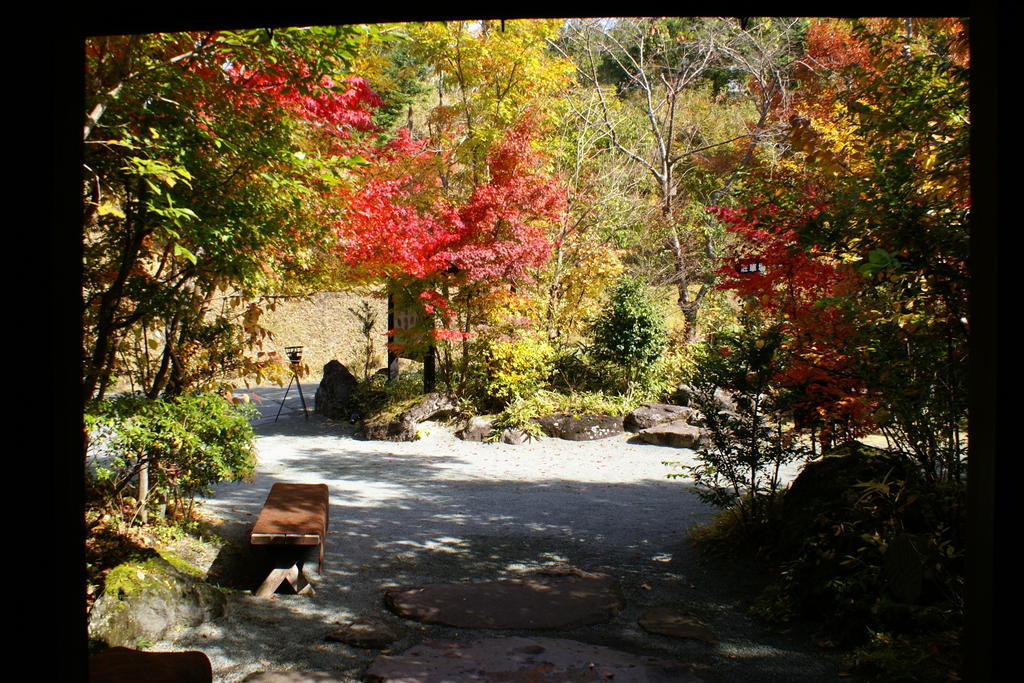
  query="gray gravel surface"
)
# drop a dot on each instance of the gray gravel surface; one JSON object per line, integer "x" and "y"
{"x": 439, "y": 509}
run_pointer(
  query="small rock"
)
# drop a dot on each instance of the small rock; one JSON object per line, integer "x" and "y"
{"x": 478, "y": 428}
{"x": 514, "y": 436}
{"x": 683, "y": 394}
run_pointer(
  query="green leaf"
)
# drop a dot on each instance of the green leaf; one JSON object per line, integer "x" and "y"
{"x": 182, "y": 251}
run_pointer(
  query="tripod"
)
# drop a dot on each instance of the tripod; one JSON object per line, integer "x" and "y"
{"x": 295, "y": 378}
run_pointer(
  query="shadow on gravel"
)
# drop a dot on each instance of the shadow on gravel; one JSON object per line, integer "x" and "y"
{"x": 403, "y": 520}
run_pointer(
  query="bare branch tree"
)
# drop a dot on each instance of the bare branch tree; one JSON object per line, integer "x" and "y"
{"x": 643, "y": 74}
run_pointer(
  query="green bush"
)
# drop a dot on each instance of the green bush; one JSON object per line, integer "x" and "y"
{"x": 869, "y": 541}
{"x": 630, "y": 333}
{"x": 188, "y": 443}
{"x": 374, "y": 396}
{"x": 884, "y": 556}
{"x": 521, "y": 414}
{"x": 575, "y": 371}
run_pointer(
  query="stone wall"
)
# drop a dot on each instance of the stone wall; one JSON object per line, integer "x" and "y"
{"x": 328, "y": 330}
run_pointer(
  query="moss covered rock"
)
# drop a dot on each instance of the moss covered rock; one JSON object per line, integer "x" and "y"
{"x": 145, "y": 599}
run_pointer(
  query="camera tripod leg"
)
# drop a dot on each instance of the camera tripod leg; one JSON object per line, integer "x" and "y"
{"x": 286, "y": 398}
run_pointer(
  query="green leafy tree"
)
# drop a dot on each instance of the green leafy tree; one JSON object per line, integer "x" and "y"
{"x": 630, "y": 333}
{"x": 883, "y": 135}
{"x": 735, "y": 390}
{"x": 655, "y": 97}
{"x": 206, "y": 158}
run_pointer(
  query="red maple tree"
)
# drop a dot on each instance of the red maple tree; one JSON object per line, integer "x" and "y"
{"x": 399, "y": 224}
{"x": 792, "y": 289}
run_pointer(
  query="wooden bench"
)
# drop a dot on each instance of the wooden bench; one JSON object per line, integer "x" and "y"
{"x": 293, "y": 515}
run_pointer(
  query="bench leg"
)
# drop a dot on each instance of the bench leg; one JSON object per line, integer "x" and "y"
{"x": 298, "y": 581}
{"x": 275, "y": 578}
{"x": 270, "y": 584}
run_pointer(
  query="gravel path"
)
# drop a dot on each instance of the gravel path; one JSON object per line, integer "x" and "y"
{"x": 440, "y": 509}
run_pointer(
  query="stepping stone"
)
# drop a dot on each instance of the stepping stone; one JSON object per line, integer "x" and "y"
{"x": 673, "y": 622}
{"x": 290, "y": 677}
{"x": 537, "y": 660}
{"x": 366, "y": 632}
{"x": 559, "y": 598}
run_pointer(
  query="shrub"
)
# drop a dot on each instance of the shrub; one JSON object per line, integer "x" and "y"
{"x": 376, "y": 397}
{"x": 740, "y": 460}
{"x": 521, "y": 414}
{"x": 885, "y": 555}
{"x": 573, "y": 370}
{"x": 630, "y": 333}
{"x": 188, "y": 443}
{"x": 513, "y": 369}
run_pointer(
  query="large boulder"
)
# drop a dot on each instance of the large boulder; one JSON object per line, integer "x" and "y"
{"x": 403, "y": 427}
{"x": 687, "y": 395}
{"x": 647, "y": 415}
{"x": 677, "y": 434}
{"x": 146, "y": 600}
{"x": 583, "y": 428}
{"x": 827, "y": 481}
{"x": 334, "y": 395}
{"x": 826, "y": 487}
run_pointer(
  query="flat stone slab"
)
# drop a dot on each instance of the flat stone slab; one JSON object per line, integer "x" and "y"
{"x": 534, "y": 660}
{"x": 366, "y": 632}
{"x": 559, "y": 598}
{"x": 290, "y": 677}
{"x": 670, "y": 621}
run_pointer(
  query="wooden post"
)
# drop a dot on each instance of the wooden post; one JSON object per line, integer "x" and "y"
{"x": 429, "y": 370}
{"x": 392, "y": 358}
{"x": 143, "y": 492}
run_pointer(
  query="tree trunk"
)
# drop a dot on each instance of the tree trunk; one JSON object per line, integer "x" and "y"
{"x": 97, "y": 372}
